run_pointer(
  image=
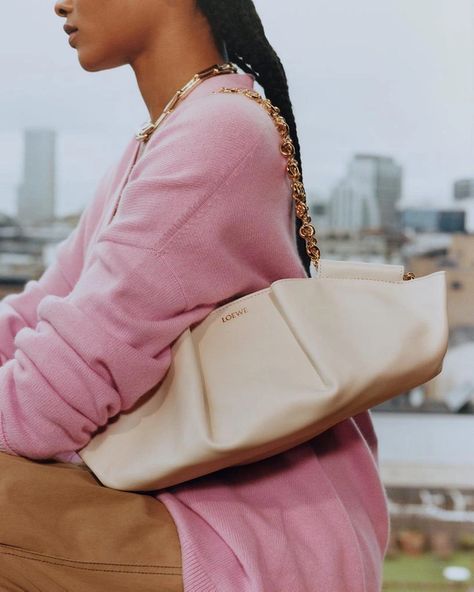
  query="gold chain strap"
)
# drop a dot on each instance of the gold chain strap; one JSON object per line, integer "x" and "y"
{"x": 287, "y": 148}
{"x": 145, "y": 132}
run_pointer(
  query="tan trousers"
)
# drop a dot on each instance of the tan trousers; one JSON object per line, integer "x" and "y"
{"x": 62, "y": 531}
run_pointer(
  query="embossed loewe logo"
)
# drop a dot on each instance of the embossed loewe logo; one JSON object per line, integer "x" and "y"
{"x": 234, "y": 315}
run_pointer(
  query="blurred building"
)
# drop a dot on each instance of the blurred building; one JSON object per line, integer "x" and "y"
{"x": 372, "y": 247}
{"x": 436, "y": 450}
{"x": 366, "y": 197}
{"x": 433, "y": 219}
{"x": 457, "y": 259}
{"x": 26, "y": 251}
{"x": 454, "y": 385}
{"x": 463, "y": 189}
{"x": 426, "y": 464}
{"x": 319, "y": 212}
{"x": 36, "y": 192}
{"x": 467, "y": 205}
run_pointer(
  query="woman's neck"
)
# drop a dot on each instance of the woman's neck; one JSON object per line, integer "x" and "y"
{"x": 172, "y": 59}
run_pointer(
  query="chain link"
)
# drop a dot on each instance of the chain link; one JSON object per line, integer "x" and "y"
{"x": 287, "y": 148}
{"x": 145, "y": 132}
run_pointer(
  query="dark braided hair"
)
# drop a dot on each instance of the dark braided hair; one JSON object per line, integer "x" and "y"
{"x": 237, "y": 28}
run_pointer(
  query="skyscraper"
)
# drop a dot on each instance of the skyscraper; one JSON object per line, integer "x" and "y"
{"x": 36, "y": 192}
{"x": 464, "y": 189}
{"x": 366, "y": 197}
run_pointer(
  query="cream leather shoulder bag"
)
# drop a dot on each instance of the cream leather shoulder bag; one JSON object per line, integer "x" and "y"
{"x": 277, "y": 367}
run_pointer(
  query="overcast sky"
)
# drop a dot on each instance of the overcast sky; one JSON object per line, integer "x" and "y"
{"x": 394, "y": 77}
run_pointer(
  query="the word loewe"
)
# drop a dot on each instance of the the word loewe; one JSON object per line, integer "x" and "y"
{"x": 233, "y": 315}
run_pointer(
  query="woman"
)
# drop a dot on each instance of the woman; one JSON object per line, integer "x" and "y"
{"x": 199, "y": 214}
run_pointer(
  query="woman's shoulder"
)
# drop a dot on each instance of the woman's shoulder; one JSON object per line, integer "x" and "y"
{"x": 223, "y": 117}
{"x": 212, "y": 132}
{"x": 236, "y": 108}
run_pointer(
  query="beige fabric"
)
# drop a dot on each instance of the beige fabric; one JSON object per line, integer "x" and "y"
{"x": 275, "y": 368}
{"x": 62, "y": 530}
{"x": 355, "y": 270}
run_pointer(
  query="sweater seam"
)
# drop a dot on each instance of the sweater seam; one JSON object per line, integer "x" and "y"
{"x": 182, "y": 222}
{"x": 196, "y": 574}
{"x": 178, "y": 283}
{"x": 4, "y": 442}
{"x": 206, "y": 202}
{"x": 68, "y": 282}
{"x": 353, "y": 531}
{"x": 153, "y": 252}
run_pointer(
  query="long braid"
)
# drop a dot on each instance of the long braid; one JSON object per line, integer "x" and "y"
{"x": 238, "y": 25}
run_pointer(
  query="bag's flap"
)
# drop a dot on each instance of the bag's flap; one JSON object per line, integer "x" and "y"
{"x": 360, "y": 270}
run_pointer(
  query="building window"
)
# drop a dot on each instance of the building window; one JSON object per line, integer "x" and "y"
{"x": 456, "y": 285}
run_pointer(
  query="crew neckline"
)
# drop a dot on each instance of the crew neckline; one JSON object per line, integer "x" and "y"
{"x": 208, "y": 85}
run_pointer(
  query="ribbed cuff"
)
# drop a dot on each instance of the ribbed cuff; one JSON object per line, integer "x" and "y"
{"x": 4, "y": 446}
{"x": 195, "y": 578}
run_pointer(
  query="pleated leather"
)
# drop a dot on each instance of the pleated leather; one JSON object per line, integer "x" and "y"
{"x": 273, "y": 369}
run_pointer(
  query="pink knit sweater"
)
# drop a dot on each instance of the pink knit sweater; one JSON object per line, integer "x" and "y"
{"x": 205, "y": 215}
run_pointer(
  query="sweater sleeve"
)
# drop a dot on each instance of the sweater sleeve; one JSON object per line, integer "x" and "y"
{"x": 96, "y": 350}
{"x": 19, "y": 310}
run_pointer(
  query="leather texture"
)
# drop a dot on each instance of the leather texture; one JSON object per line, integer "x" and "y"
{"x": 275, "y": 368}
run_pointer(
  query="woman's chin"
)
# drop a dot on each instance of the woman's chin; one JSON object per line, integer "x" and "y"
{"x": 88, "y": 62}
{"x": 92, "y": 63}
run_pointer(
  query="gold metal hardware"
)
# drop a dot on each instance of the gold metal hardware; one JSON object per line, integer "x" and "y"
{"x": 145, "y": 132}
{"x": 287, "y": 148}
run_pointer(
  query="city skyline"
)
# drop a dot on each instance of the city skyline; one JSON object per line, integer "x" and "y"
{"x": 367, "y": 195}
{"x": 66, "y": 172}
{"x": 380, "y": 78}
